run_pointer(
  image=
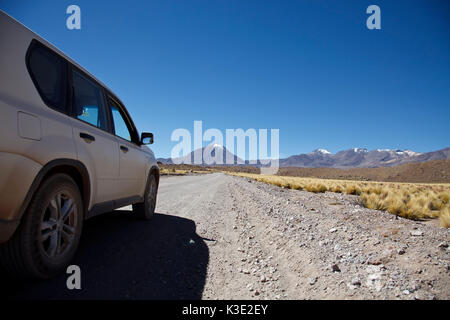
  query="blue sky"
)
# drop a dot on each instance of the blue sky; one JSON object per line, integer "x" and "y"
{"x": 309, "y": 68}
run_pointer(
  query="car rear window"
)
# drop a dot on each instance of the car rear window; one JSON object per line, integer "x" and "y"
{"x": 48, "y": 72}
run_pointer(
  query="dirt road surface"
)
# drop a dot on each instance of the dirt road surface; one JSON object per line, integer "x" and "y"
{"x": 222, "y": 237}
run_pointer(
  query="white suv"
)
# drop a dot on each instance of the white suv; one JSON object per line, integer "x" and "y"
{"x": 68, "y": 151}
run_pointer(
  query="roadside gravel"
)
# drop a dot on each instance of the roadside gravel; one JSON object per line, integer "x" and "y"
{"x": 275, "y": 243}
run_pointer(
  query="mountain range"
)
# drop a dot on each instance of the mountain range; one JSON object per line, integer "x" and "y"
{"x": 361, "y": 158}
{"x": 351, "y": 158}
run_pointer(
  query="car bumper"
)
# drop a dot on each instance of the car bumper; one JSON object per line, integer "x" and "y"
{"x": 17, "y": 175}
{"x": 7, "y": 229}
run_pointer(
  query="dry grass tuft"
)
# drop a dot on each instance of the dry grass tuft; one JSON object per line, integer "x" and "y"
{"x": 316, "y": 188}
{"x": 353, "y": 189}
{"x": 445, "y": 218}
{"x": 444, "y": 197}
{"x": 337, "y": 189}
{"x": 409, "y": 200}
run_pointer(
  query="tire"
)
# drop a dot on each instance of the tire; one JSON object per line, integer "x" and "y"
{"x": 47, "y": 237}
{"x": 146, "y": 209}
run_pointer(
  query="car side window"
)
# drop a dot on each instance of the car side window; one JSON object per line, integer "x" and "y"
{"x": 120, "y": 124}
{"x": 48, "y": 72}
{"x": 88, "y": 101}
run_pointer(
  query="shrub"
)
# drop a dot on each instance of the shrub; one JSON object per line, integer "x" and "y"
{"x": 352, "y": 189}
{"x": 375, "y": 190}
{"x": 297, "y": 186}
{"x": 316, "y": 188}
{"x": 396, "y": 206}
{"x": 435, "y": 204}
{"x": 372, "y": 201}
{"x": 444, "y": 217}
{"x": 444, "y": 197}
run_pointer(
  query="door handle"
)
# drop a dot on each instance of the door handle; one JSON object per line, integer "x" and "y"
{"x": 87, "y": 136}
{"x": 124, "y": 149}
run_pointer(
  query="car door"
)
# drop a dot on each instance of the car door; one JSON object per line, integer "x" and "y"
{"x": 97, "y": 148}
{"x": 132, "y": 160}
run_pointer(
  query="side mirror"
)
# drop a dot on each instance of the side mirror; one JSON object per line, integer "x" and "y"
{"x": 147, "y": 138}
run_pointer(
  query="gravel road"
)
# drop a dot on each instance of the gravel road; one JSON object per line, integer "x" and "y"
{"x": 222, "y": 237}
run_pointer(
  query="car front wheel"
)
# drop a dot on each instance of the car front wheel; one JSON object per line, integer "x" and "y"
{"x": 146, "y": 209}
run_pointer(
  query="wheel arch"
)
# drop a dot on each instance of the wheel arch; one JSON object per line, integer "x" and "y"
{"x": 74, "y": 168}
{"x": 154, "y": 170}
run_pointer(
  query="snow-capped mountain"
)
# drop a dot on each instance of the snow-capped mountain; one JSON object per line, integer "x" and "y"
{"x": 361, "y": 158}
{"x": 321, "y": 151}
{"x": 213, "y": 154}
